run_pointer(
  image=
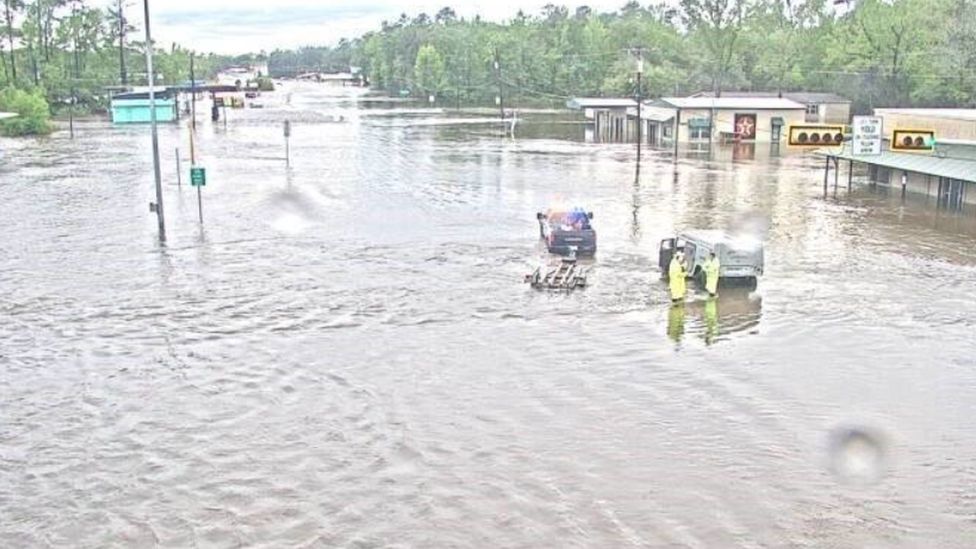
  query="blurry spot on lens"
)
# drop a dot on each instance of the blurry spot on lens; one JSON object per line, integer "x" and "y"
{"x": 857, "y": 455}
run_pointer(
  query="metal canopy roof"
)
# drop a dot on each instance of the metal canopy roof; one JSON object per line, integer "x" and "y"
{"x": 744, "y": 103}
{"x": 4, "y": 115}
{"x": 654, "y": 114}
{"x": 600, "y": 103}
{"x": 953, "y": 168}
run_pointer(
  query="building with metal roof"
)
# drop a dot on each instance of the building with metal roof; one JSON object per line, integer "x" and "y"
{"x": 709, "y": 119}
{"x": 582, "y": 103}
{"x": 948, "y": 173}
{"x": 821, "y": 107}
{"x": 607, "y": 118}
{"x": 946, "y": 123}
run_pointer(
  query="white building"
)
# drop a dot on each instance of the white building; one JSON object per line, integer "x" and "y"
{"x": 707, "y": 119}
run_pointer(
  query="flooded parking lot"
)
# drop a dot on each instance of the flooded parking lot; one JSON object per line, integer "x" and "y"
{"x": 344, "y": 354}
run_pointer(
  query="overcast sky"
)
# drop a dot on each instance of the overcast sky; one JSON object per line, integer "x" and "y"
{"x": 239, "y": 26}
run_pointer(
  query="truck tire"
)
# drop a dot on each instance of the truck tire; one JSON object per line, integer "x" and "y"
{"x": 752, "y": 283}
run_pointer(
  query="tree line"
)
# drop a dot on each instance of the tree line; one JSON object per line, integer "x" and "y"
{"x": 876, "y": 52}
{"x": 67, "y": 52}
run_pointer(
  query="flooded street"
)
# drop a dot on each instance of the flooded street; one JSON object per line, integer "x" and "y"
{"x": 345, "y": 355}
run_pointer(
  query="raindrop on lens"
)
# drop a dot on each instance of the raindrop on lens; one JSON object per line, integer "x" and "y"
{"x": 857, "y": 455}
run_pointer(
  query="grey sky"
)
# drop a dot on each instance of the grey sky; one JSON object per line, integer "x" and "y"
{"x": 253, "y": 25}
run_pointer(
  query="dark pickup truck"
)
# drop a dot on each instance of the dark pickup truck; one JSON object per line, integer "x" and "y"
{"x": 568, "y": 231}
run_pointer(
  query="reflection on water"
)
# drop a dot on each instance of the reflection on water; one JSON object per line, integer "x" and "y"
{"x": 347, "y": 356}
{"x": 736, "y": 311}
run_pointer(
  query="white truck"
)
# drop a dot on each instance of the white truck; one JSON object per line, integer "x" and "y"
{"x": 741, "y": 257}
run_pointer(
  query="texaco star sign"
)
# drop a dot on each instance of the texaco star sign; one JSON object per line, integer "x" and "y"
{"x": 745, "y": 127}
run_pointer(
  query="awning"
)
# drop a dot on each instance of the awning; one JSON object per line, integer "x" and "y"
{"x": 776, "y": 121}
{"x": 929, "y": 164}
{"x": 699, "y": 123}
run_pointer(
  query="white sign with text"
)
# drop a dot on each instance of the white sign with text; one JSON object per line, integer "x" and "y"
{"x": 867, "y": 135}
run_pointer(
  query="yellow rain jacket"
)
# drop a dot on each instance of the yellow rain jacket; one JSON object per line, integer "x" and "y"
{"x": 712, "y": 267}
{"x": 676, "y": 279}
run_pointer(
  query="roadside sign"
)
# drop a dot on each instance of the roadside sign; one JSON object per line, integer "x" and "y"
{"x": 198, "y": 177}
{"x": 867, "y": 135}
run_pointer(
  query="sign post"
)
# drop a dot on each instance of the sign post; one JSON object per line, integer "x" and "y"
{"x": 866, "y": 140}
{"x": 198, "y": 178}
{"x": 287, "y": 135}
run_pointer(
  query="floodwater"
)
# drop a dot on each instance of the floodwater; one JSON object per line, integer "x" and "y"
{"x": 345, "y": 355}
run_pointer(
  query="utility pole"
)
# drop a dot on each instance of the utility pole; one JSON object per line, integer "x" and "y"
{"x": 158, "y": 206}
{"x": 640, "y": 122}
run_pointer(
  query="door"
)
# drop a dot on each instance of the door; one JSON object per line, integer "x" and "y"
{"x": 664, "y": 254}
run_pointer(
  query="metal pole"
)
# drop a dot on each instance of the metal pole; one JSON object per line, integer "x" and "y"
{"x": 179, "y": 176}
{"x": 836, "y": 173}
{"x": 200, "y": 204}
{"x": 640, "y": 122}
{"x": 826, "y": 173}
{"x": 193, "y": 94}
{"x": 677, "y": 131}
{"x": 850, "y": 174}
{"x": 193, "y": 149}
{"x": 152, "y": 118}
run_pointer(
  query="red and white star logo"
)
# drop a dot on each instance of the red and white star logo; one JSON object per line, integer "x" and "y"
{"x": 745, "y": 127}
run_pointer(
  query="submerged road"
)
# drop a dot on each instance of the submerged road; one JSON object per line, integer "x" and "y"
{"x": 344, "y": 354}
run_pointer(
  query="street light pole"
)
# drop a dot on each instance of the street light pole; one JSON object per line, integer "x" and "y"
{"x": 158, "y": 206}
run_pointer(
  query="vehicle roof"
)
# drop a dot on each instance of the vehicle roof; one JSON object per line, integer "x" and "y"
{"x": 706, "y": 235}
{"x": 711, "y": 236}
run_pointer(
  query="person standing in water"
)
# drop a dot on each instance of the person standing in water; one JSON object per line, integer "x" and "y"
{"x": 676, "y": 276}
{"x": 712, "y": 267}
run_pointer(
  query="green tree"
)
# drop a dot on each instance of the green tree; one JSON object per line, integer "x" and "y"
{"x": 429, "y": 70}
{"x": 32, "y": 109}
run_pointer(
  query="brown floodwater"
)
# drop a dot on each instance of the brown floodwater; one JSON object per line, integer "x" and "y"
{"x": 345, "y": 355}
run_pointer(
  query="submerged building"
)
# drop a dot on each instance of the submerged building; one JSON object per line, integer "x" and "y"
{"x": 943, "y": 169}
{"x": 133, "y": 107}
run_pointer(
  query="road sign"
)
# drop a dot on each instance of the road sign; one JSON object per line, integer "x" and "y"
{"x": 198, "y": 177}
{"x": 913, "y": 140}
{"x": 815, "y": 135}
{"x": 867, "y": 135}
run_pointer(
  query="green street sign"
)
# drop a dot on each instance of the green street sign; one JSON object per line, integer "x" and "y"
{"x": 198, "y": 177}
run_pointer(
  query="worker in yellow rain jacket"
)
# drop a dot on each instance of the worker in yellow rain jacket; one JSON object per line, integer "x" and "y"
{"x": 712, "y": 267}
{"x": 676, "y": 276}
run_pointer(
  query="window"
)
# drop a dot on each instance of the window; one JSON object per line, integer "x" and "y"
{"x": 699, "y": 132}
{"x": 813, "y": 109}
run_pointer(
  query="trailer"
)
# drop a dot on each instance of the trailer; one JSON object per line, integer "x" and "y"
{"x": 566, "y": 275}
